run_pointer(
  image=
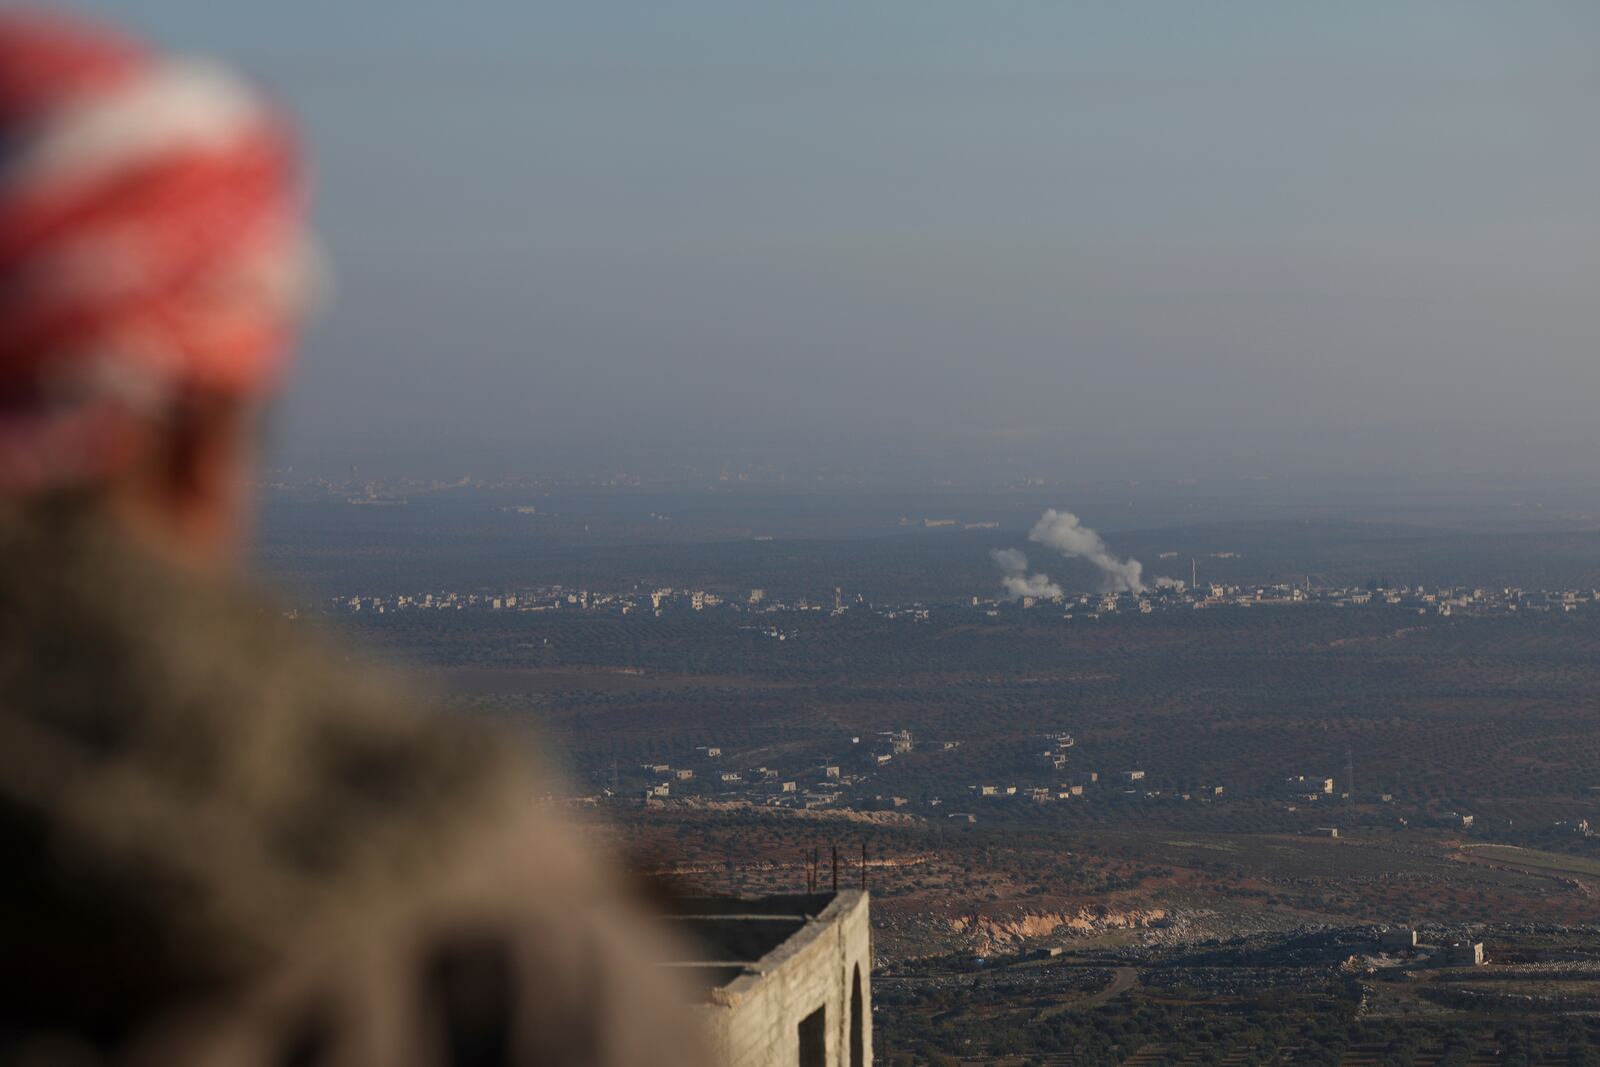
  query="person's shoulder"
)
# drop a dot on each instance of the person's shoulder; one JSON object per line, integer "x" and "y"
{"x": 201, "y": 675}
{"x": 241, "y": 752}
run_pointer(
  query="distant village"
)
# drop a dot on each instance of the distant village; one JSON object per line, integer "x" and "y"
{"x": 1170, "y": 595}
{"x": 852, "y": 778}
{"x": 851, "y": 781}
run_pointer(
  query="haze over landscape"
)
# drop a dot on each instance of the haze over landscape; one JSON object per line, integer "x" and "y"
{"x": 943, "y": 239}
{"x": 1120, "y": 474}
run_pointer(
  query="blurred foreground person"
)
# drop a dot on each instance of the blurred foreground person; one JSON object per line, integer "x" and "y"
{"x": 217, "y": 844}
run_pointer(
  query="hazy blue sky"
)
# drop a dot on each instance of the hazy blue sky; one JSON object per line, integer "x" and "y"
{"x": 1113, "y": 238}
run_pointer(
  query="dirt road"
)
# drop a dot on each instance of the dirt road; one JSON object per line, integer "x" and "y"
{"x": 1122, "y": 980}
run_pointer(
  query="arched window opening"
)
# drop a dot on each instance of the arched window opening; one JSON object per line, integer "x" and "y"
{"x": 858, "y": 1043}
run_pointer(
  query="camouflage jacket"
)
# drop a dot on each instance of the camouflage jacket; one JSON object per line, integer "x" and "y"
{"x": 221, "y": 844}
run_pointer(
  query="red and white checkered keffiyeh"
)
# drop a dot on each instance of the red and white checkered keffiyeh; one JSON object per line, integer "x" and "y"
{"x": 151, "y": 244}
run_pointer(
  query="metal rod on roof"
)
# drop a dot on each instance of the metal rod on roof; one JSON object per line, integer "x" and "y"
{"x": 835, "y": 868}
{"x": 863, "y": 865}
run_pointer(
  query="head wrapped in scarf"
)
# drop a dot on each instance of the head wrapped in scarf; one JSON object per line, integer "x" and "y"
{"x": 151, "y": 244}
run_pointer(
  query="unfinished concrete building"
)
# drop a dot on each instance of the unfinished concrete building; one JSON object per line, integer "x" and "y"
{"x": 1398, "y": 939}
{"x": 785, "y": 981}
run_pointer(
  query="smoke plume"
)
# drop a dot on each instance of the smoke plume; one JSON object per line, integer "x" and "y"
{"x": 1062, "y": 531}
{"x": 1175, "y": 584}
{"x": 1017, "y": 581}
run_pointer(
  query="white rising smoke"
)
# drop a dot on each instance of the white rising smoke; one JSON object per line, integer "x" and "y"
{"x": 1164, "y": 582}
{"x": 1062, "y": 531}
{"x": 1016, "y": 580}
